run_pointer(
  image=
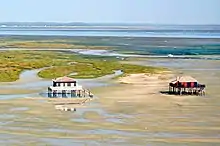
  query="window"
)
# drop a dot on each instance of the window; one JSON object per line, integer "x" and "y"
{"x": 68, "y": 84}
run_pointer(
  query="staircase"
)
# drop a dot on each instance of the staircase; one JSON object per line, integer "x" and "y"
{"x": 88, "y": 92}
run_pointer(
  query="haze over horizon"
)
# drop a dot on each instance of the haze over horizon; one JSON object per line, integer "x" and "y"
{"x": 175, "y": 12}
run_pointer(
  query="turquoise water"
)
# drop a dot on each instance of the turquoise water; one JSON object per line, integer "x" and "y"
{"x": 141, "y": 42}
{"x": 150, "y": 46}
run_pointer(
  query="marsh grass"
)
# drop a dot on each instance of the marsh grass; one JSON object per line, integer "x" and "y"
{"x": 49, "y": 42}
{"x": 12, "y": 63}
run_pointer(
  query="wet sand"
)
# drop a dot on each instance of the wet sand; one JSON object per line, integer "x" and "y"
{"x": 130, "y": 113}
{"x": 174, "y": 120}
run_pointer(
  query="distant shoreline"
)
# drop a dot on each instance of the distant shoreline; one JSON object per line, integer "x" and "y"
{"x": 85, "y": 24}
{"x": 91, "y": 31}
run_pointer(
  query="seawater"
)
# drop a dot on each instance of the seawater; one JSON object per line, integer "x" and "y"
{"x": 138, "y": 42}
{"x": 118, "y": 33}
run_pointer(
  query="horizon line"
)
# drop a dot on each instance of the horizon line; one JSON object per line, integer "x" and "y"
{"x": 128, "y": 23}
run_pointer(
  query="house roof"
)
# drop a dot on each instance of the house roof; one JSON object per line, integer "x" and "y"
{"x": 184, "y": 79}
{"x": 187, "y": 79}
{"x": 64, "y": 79}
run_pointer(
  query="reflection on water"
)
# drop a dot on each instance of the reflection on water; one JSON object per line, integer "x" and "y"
{"x": 6, "y": 116}
{"x": 20, "y": 109}
{"x": 11, "y": 96}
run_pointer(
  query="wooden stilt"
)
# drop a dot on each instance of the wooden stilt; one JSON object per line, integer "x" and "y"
{"x": 54, "y": 93}
{"x": 71, "y": 93}
{"x": 66, "y": 87}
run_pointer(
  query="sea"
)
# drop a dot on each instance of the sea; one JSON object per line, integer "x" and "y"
{"x": 111, "y": 32}
{"x": 133, "y": 41}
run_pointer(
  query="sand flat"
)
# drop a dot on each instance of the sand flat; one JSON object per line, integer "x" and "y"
{"x": 133, "y": 112}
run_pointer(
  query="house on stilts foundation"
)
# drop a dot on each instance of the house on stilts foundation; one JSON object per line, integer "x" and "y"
{"x": 186, "y": 85}
{"x": 65, "y": 87}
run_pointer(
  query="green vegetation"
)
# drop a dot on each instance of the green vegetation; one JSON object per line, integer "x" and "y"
{"x": 94, "y": 68}
{"x": 9, "y": 74}
{"x": 49, "y": 43}
{"x": 12, "y": 63}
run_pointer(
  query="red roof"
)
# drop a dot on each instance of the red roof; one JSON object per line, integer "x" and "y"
{"x": 184, "y": 79}
{"x": 187, "y": 79}
{"x": 64, "y": 79}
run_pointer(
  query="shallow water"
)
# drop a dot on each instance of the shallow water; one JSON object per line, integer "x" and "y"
{"x": 117, "y": 33}
{"x": 20, "y": 109}
{"x": 35, "y": 86}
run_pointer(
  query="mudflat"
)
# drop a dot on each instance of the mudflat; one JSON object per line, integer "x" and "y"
{"x": 133, "y": 112}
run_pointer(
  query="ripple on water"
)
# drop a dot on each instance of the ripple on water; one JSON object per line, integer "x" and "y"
{"x": 19, "y": 109}
{"x": 115, "y": 132}
{"x": 59, "y": 130}
{"x": 11, "y": 139}
{"x": 81, "y": 120}
{"x": 84, "y": 120}
{"x": 7, "y": 116}
{"x": 68, "y": 142}
{"x": 13, "y": 96}
{"x": 113, "y": 118}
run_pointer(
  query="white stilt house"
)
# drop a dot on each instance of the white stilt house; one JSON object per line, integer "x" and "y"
{"x": 67, "y": 87}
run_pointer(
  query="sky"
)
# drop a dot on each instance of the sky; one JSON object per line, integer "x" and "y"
{"x": 112, "y": 11}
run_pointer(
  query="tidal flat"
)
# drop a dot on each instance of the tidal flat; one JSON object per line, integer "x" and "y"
{"x": 128, "y": 110}
{"x": 132, "y": 113}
